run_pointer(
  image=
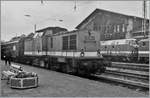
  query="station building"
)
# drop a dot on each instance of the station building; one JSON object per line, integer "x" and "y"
{"x": 112, "y": 25}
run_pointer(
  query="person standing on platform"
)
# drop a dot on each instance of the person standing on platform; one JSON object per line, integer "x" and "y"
{"x": 5, "y": 58}
{"x": 9, "y": 58}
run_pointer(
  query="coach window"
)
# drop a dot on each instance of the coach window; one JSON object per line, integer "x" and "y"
{"x": 95, "y": 27}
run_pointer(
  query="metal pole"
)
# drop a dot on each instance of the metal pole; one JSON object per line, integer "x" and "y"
{"x": 41, "y": 1}
{"x": 75, "y": 6}
{"x": 144, "y": 14}
{"x": 35, "y": 28}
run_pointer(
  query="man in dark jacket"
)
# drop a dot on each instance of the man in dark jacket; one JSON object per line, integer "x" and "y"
{"x": 5, "y": 58}
{"x": 8, "y": 58}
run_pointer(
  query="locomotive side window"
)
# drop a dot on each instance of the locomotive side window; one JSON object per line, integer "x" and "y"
{"x": 51, "y": 42}
{"x": 73, "y": 42}
{"x": 65, "y": 42}
{"x": 69, "y": 42}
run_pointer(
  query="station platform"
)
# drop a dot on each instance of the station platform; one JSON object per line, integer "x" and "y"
{"x": 55, "y": 84}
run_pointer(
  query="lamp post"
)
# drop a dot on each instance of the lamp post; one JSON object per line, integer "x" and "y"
{"x": 35, "y": 26}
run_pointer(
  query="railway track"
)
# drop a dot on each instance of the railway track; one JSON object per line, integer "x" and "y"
{"x": 128, "y": 72}
{"x": 132, "y": 66}
{"x": 127, "y": 75}
{"x": 132, "y": 74}
{"x": 123, "y": 81}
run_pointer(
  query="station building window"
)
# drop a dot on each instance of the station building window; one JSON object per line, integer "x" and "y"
{"x": 123, "y": 28}
{"x": 118, "y": 28}
{"x": 114, "y": 28}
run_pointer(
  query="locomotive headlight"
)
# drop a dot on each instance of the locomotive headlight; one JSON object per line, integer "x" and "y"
{"x": 82, "y": 53}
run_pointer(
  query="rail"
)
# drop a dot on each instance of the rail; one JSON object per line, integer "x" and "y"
{"x": 127, "y": 73}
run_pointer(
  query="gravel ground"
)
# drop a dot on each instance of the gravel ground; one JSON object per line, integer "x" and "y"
{"x": 54, "y": 84}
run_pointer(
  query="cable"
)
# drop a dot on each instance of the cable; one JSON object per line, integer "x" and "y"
{"x": 75, "y": 6}
{"x": 42, "y": 1}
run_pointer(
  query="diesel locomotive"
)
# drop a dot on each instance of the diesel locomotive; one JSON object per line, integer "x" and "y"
{"x": 126, "y": 50}
{"x": 75, "y": 51}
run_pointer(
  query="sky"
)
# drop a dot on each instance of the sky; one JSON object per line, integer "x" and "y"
{"x": 14, "y": 21}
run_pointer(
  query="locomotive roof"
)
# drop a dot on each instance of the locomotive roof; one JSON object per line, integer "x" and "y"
{"x": 102, "y": 10}
{"x": 66, "y": 32}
